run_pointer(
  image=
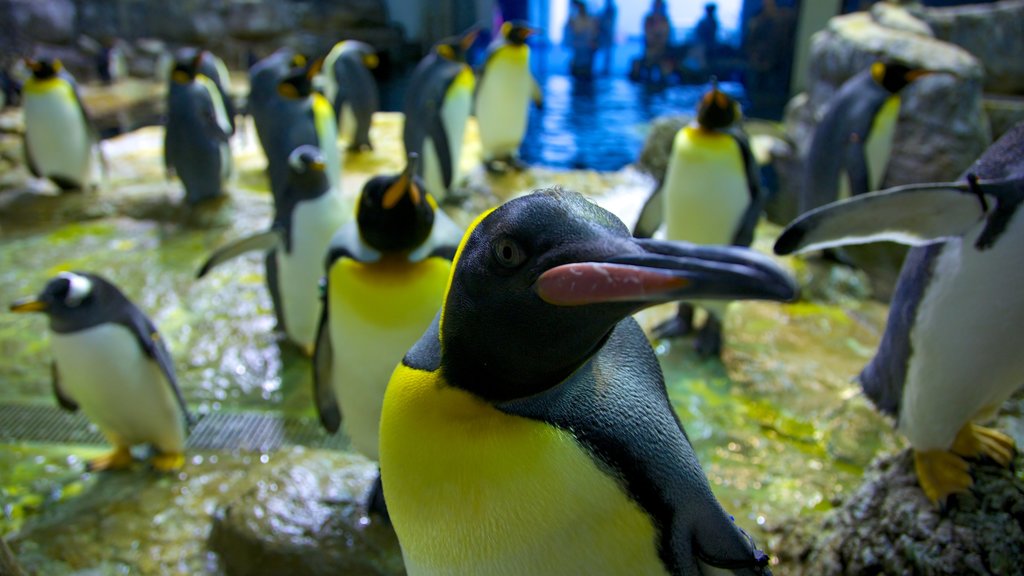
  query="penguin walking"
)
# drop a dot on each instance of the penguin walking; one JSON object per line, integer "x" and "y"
{"x": 295, "y": 245}
{"x": 529, "y": 431}
{"x": 60, "y": 139}
{"x": 385, "y": 274}
{"x": 504, "y": 91}
{"x": 437, "y": 106}
{"x": 110, "y": 361}
{"x": 197, "y": 143}
{"x": 851, "y": 145}
{"x": 950, "y": 354}
{"x": 710, "y": 195}
{"x": 349, "y": 85}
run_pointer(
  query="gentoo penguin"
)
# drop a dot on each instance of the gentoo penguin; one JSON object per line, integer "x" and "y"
{"x": 504, "y": 90}
{"x": 197, "y": 141}
{"x": 351, "y": 88}
{"x": 529, "y": 431}
{"x": 110, "y": 361}
{"x": 710, "y": 195}
{"x": 850, "y": 146}
{"x": 311, "y": 212}
{"x": 437, "y": 106}
{"x": 386, "y": 272}
{"x": 263, "y": 99}
{"x": 951, "y": 351}
{"x": 60, "y": 138}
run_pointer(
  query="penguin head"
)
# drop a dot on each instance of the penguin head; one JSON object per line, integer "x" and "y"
{"x": 894, "y": 76}
{"x": 298, "y": 83}
{"x": 186, "y": 66}
{"x": 307, "y": 173}
{"x": 538, "y": 284}
{"x": 716, "y": 109}
{"x": 454, "y": 48}
{"x": 395, "y": 213}
{"x": 73, "y": 301}
{"x": 44, "y": 68}
{"x": 363, "y": 51}
{"x": 516, "y": 32}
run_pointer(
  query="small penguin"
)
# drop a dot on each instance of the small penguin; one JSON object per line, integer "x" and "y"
{"x": 529, "y": 431}
{"x": 851, "y": 145}
{"x": 437, "y": 106}
{"x": 711, "y": 194}
{"x": 311, "y": 212}
{"x": 211, "y": 66}
{"x": 110, "y": 361}
{"x": 60, "y": 139}
{"x": 951, "y": 351}
{"x": 504, "y": 90}
{"x": 385, "y": 275}
{"x": 197, "y": 141}
{"x": 351, "y": 88}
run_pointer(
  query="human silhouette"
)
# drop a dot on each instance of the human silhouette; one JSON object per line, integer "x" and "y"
{"x": 606, "y": 35}
{"x": 656, "y": 64}
{"x": 581, "y": 34}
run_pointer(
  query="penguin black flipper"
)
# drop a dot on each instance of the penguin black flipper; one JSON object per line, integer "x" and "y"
{"x": 63, "y": 399}
{"x": 652, "y": 215}
{"x": 443, "y": 241}
{"x": 363, "y": 102}
{"x": 33, "y": 168}
{"x": 153, "y": 345}
{"x": 323, "y": 366}
{"x": 744, "y": 235}
{"x": 623, "y": 425}
{"x": 263, "y": 242}
{"x": 439, "y": 136}
{"x": 857, "y": 164}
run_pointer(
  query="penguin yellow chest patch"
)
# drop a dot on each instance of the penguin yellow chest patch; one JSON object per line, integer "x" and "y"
{"x": 386, "y": 293}
{"x": 472, "y": 490}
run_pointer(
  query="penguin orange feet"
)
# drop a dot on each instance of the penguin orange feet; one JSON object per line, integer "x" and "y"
{"x": 119, "y": 459}
{"x": 167, "y": 461}
{"x": 941, "y": 473}
{"x": 974, "y": 441}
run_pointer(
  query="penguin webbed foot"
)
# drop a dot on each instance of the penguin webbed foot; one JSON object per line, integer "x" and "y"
{"x": 167, "y": 462}
{"x": 679, "y": 325}
{"x": 974, "y": 441}
{"x": 375, "y": 504}
{"x": 119, "y": 459}
{"x": 941, "y": 473}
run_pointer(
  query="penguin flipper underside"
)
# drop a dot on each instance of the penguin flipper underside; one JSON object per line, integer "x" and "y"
{"x": 323, "y": 369}
{"x": 915, "y": 214}
{"x": 63, "y": 399}
{"x": 153, "y": 345}
{"x": 652, "y": 214}
{"x": 262, "y": 242}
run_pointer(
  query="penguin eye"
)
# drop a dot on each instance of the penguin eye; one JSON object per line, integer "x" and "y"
{"x": 508, "y": 253}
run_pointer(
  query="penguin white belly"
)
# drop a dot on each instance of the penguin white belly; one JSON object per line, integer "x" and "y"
{"x": 313, "y": 224}
{"x": 347, "y": 124}
{"x": 878, "y": 146}
{"x": 58, "y": 137}
{"x": 503, "y": 103}
{"x": 327, "y": 138}
{"x": 118, "y": 387}
{"x": 454, "y": 114}
{"x": 377, "y": 312}
{"x": 432, "y": 171}
{"x": 967, "y": 340}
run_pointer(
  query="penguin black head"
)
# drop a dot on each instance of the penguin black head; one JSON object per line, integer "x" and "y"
{"x": 44, "y": 68}
{"x": 546, "y": 277}
{"x": 364, "y": 51}
{"x": 454, "y": 48}
{"x": 395, "y": 213}
{"x": 186, "y": 66}
{"x": 306, "y": 173}
{"x": 74, "y": 301}
{"x": 716, "y": 109}
{"x": 516, "y": 32}
{"x": 894, "y": 76}
{"x": 298, "y": 83}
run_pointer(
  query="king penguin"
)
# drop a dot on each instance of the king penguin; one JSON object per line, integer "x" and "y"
{"x": 851, "y": 145}
{"x": 529, "y": 431}
{"x": 263, "y": 99}
{"x": 951, "y": 351}
{"x": 504, "y": 91}
{"x": 312, "y": 211}
{"x": 211, "y": 66}
{"x": 349, "y": 85}
{"x": 110, "y": 361}
{"x": 385, "y": 275}
{"x": 710, "y": 195}
{"x": 60, "y": 139}
{"x": 197, "y": 143}
{"x": 437, "y": 106}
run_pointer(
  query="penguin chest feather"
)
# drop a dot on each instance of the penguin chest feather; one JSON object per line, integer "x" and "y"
{"x": 118, "y": 387}
{"x": 503, "y": 102}
{"x": 377, "y": 312}
{"x": 58, "y": 137}
{"x": 483, "y": 492}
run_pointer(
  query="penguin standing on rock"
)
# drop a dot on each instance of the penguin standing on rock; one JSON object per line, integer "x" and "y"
{"x": 352, "y": 90}
{"x": 311, "y": 211}
{"x": 110, "y": 361}
{"x": 951, "y": 351}
{"x": 437, "y": 105}
{"x": 197, "y": 143}
{"x": 504, "y": 91}
{"x": 386, "y": 273}
{"x": 710, "y": 195}
{"x": 851, "y": 145}
{"x": 529, "y": 431}
{"x": 60, "y": 139}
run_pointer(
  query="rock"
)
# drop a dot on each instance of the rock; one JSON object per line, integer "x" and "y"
{"x": 889, "y": 527}
{"x": 52, "y": 21}
{"x": 992, "y": 32}
{"x": 658, "y": 147}
{"x": 306, "y": 516}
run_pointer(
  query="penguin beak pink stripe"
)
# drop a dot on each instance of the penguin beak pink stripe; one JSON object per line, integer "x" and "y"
{"x": 584, "y": 283}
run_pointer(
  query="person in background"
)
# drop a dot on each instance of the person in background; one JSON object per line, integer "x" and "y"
{"x": 581, "y": 32}
{"x": 706, "y": 34}
{"x": 656, "y": 64}
{"x": 606, "y": 36}
{"x": 768, "y": 45}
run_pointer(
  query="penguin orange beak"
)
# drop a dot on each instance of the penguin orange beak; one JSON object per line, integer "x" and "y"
{"x": 404, "y": 184}
{"x": 29, "y": 304}
{"x": 919, "y": 73}
{"x": 665, "y": 271}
